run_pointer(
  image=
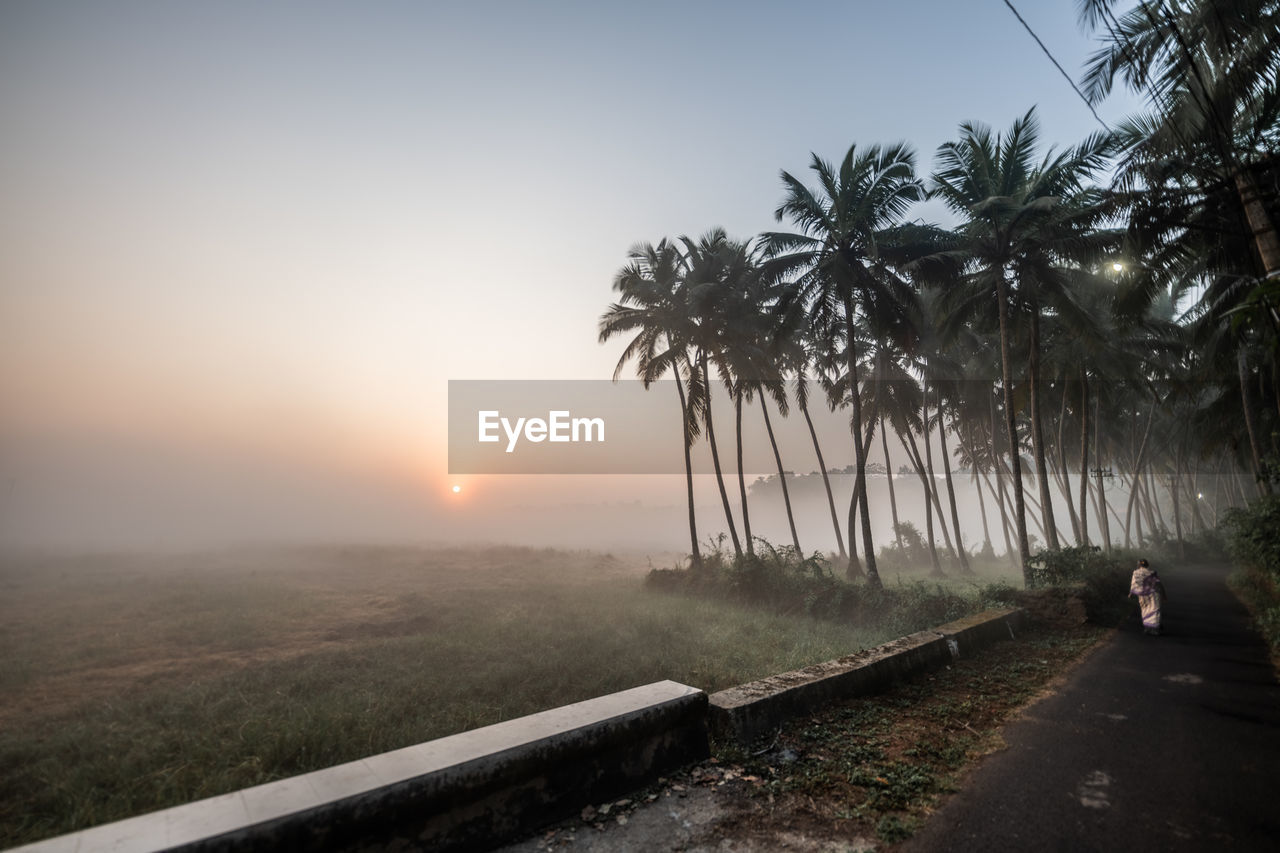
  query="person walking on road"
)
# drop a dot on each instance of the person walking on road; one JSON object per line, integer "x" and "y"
{"x": 1147, "y": 588}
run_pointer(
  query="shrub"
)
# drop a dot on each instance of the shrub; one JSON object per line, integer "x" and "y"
{"x": 1103, "y": 580}
{"x": 1252, "y": 537}
{"x": 780, "y": 580}
{"x": 1253, "y": 534}
{"x": 913, "y": 553}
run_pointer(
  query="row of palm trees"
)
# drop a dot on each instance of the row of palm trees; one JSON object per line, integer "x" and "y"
{"x": 1043, "y": 334}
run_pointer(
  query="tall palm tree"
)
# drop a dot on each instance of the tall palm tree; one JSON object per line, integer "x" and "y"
{"x": 1029, "y": 227}
{"x": 653, "y": 304}
{"x": 738, "y": 307}
{"x": 840, "y": 276}
{"x": 704, "y": 270}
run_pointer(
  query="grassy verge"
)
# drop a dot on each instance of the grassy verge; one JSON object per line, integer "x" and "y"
{"x": 1261, "y": 594}
{"x": 1253, "y": 540}
{"x": 875, "y": 767}
{"x": 138, "y": 684}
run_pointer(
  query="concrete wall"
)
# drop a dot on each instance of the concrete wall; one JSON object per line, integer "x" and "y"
{"x": 464, "y": 792}
{"x": 750, "y": 710}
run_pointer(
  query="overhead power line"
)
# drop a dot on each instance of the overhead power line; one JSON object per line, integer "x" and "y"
{"x": 1076, "y": 88}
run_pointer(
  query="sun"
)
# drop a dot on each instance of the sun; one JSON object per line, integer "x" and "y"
{"x": 457, "y": 489}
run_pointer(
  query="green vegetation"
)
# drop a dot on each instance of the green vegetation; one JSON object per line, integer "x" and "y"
{"x": 780, "y": 581}
{"x": 140, "y": 683}
{"x": 1253, "y": 539}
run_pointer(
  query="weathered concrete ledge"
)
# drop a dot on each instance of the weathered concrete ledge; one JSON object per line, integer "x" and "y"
{"x": 749, "y": 710}
{"x": 468, "y": 791}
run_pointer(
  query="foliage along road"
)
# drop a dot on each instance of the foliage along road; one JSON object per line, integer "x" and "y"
{"x": 1154, "y": 743}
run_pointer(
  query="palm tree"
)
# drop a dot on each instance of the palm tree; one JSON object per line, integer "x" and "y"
{"x": 738, "y": 307}
{"x": 703, "y": 270}
{"x": 653, "y": 304}
{"x": 1208, "y": 69}
{"x": 1029, "y": 229}
{"x": 841, "y": 278}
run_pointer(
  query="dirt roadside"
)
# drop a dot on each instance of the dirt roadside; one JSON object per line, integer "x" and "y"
{"x": 860, "y": 775}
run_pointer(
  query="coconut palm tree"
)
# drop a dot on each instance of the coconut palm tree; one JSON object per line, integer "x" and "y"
{"x": 739, "y": 307}
{"x": 1029, "y": 228}
{"x": 839, "y": 275}
{"x": 653, "y": 304}
{"x": 1208, "y": 70}
{"x": 705, "y": 265}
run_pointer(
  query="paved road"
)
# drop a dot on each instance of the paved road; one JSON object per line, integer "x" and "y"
{"x": 1162, "y": 743}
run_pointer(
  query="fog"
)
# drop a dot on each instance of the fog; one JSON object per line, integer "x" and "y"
{"x": 84, "y": 492}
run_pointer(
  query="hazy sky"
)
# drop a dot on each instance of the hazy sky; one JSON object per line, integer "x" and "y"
{"x": 245, "y": 245}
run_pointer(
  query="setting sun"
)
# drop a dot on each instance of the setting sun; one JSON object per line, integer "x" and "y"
{"x": 457, "y": 489}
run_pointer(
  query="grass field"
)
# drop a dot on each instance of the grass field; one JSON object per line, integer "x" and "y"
{"x": 134, "y": 682}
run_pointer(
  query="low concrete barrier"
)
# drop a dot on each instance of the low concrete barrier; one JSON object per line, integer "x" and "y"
{"x": 468, "y": 791}
{"x": 747, "y": 711}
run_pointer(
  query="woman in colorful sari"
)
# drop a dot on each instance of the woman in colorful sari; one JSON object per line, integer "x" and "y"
{"x": 1149, "y": 591}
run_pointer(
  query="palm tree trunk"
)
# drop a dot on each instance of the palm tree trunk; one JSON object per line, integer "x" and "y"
{"x": 1033, "y": 506}
{"x": 1264, "y": 230}
{"x": 858, "y": 480}
{"x": 888, "y": 467}
{"x": 923, "y": 472}
{"x": 1006, "y": 523}
{"x": 868, "y": 546}
{"x": 929, "y": 482}
{"x": 1111, "y": 510}
{"x": 1134, "y": 488}
{"x": 1011, "y": 427}
{"x": 782, "y": 476}
{"x": 853, "y": 570}
{"x": 1250, "y": 428}
{"x": 966, "y": 441}
{"x": 1177, "y": 510}
{"x": 982, "y": 511}
{"x": 1084, "y": 457}
{"x": 1137, "y": 469}
{"x": 1037, "y": 437}
{"x": 1150, "y": 506}
{"x": 1104, "y": 528}
{"x": 1238, "y": 477}
{"x": 965, "y": 568}
{"x": 1153, "y": 499}
{"x": 715, "y": 460}
{"x": 826, "y": 481}
{"x": 742, "y": 477}
{"x": 1061, "y": 472}
{"x": 1001, "y": 501}
{"x": 1193, "y": 497}
{"x": 695, "y": 556}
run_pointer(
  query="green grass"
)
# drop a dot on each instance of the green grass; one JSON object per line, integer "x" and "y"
{"x": 165, "y": 683}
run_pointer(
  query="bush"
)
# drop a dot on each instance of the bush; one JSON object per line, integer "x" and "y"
{"x": 1253, "y": 534}
{"x": 1103, "y": 580}
{"x": 780, "y": 580}
{"x": 1252, "y": 537}
{"x": 1064, "y": 566}
{"x": 913, "y": 553}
